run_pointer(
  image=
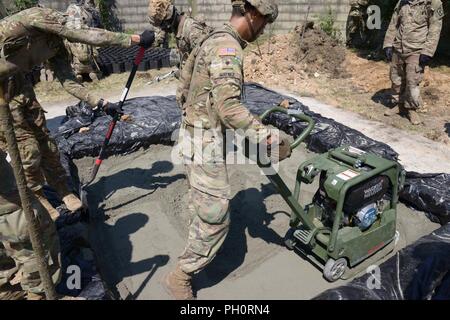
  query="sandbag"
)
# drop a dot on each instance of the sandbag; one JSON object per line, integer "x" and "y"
{"x": 420, "y": 271}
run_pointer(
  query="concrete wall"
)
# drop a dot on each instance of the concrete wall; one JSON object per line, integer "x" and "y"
{"x": 133, "y": 13}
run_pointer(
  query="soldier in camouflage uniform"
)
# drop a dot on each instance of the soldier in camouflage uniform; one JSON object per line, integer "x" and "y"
{"x": 410, "y": 44}
{"x": 82, "y": 55}
{"x": 27, "y": 39}
{"x": 212, "y": 104}
{"x": 356, "y": 22}
{"x": 17, "y": 260}
{"x": 188, "y": 31}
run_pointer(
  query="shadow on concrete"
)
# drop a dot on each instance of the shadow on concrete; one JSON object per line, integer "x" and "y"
{"x": 116, "y": 261}
{"x": 248, "y": 214}
{"x": 146, "y": 179}
{"x": 113, "y": 245}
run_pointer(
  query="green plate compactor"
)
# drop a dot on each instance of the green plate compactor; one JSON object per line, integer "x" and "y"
{"x": 350, "y": 223}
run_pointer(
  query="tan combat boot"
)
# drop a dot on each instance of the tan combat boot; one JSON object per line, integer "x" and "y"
{"x": 35, "y": 296}
{"x": 54, "y": 214}
{"x": 392, "y": 111}
{"x": 72, "y": 202}
{"x": 93, "y": 76}
{"x": 414, "y": 117}
{"x": 178, "y": 284}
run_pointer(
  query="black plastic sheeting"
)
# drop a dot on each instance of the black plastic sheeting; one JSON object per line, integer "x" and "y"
{"x": 420, "y": 271}
{"x": 153, "y": 120}
{"x": 72, "y": 230}
{"x": 429, "y": 193}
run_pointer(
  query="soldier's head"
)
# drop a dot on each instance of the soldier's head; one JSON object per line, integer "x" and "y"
{"x": 250, "y": 17}
{"x": 163, "y": 14}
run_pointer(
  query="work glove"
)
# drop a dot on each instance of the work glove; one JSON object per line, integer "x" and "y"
{"x": 146, "y": 39}
{"x": 112, "y": 109}
{"x": 424, "y": 60}
{"x": 388, "y": 53}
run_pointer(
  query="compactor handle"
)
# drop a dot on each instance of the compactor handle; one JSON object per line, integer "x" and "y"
{"x": 298, "y": 115}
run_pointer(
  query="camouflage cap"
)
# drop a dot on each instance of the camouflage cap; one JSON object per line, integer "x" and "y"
{"x": 159, "y": 10}
{"x": 267, "y": 8}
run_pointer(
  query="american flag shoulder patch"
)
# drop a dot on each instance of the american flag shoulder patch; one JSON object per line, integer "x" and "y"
{"x": 227, "y": 52}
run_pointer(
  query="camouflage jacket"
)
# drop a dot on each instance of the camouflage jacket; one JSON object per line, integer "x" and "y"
{"x": 415, "y": 27}
{"x": 79, "y": 17}
{"x": 35, "y": 35}
{"x": 214, "y": 98}
{"x": 189, "y": 34}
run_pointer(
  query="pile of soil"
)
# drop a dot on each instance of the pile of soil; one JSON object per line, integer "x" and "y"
{"x": 295, "y": 57}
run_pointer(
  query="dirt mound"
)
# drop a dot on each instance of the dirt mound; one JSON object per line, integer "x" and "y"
{"x": 291, "y": 58}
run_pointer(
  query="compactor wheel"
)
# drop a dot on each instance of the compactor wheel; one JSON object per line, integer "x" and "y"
{"x": 335, "y": 269}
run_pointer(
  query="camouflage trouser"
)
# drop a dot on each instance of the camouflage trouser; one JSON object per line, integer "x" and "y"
{"x": 17, "y": 259}
{"x": 209, "y": 202}
{"x": 406, "y": 75}
{"x": 39, "y": 153}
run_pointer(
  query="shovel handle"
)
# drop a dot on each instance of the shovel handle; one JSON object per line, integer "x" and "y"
{"x": 298, "y": 115}
{"x": 137, "y": 61}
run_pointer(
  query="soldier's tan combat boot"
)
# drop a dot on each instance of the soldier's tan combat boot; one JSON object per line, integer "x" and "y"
{"x": 414, "y": 117}
{"x": 54, "y": 214}
{"x": 392, "y": 111}
{"x": 178, "y": 284}
{"x": 35, "y": 296}
{"x": 93, "y": 76}
{"x": 72, "y": 202}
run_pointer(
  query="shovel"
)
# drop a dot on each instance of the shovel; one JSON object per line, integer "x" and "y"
{"x": 112, "y": 124}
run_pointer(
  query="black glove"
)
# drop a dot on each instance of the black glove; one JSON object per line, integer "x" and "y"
{"x": 146, "y": 39}
{"x": 388, "y": 53}
{"x": 112, "y": 109}
{"x": 424, "y": 60}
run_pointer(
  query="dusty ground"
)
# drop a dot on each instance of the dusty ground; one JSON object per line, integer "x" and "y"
{"x": 140, "y": 229}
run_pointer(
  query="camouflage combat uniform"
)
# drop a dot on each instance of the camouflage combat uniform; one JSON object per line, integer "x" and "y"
{"x": 82, "y": 55}
{"x": 14, "y": 239}
{"x": 212, "y": 104}
{"x": 188, "y": 33}
{"x": 27, "y": 39}
{"x": 414, "y": 30}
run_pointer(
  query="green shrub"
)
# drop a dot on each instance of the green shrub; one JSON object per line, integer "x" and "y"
{"x": 25, "y": 4}
{"x": 326, "y": 23}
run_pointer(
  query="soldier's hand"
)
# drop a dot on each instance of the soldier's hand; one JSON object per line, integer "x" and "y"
{"x": 388, "y": 53}
{"x": 424, "y": 60}
{"x": 112, "y": 109}
{"x": 146, "y": 39}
